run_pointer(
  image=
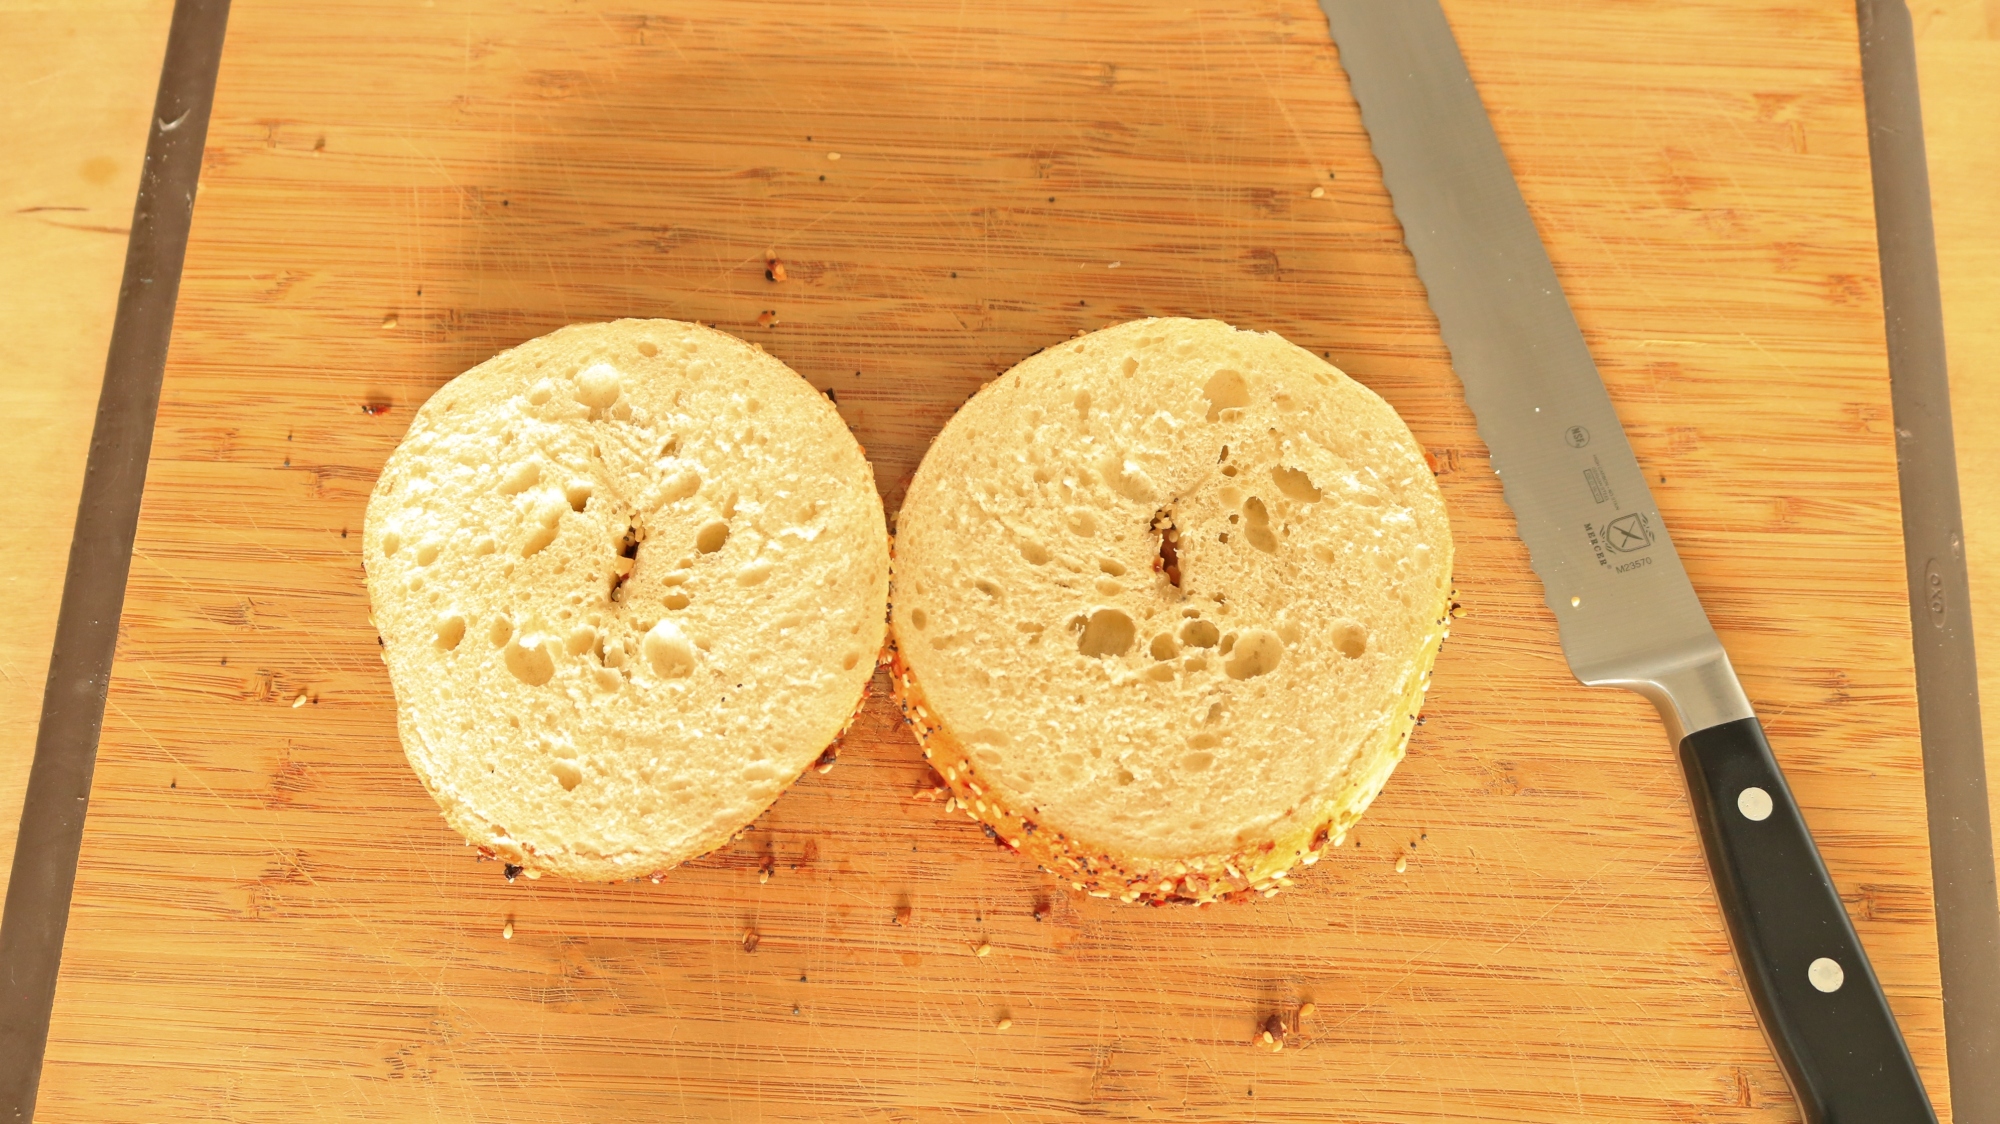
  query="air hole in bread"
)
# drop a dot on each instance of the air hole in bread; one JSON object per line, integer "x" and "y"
{"x": 1169, "y": 561}
{"x": 541, "y": 392}
{"x": 1257, "y": 652}
{"x": 1130, "y": 366}
{"x": 485, "y": 545}
{"x": 986, "y": 586}
{"x": 528, "y": 659}
{"x": 416, "y": 582}
{"x": 1228, "y": 642}
{"x": 578, "y": 494}
{"x": 647, "y": 348}
{"x": 1258, "y": 527}
{"x": 712, "y": 535}
{"x": 1082, "y": 523}
{"x": 1125, "y": 776}
{"x": 428, "y": 552}
{"x": 1034, "y": 552}
{"x": 919, "y": 619}
{"x": 1108, "y": 632}
{"x": 1082, "y": 402}
{"x": 754, "y": 573}
{"x": 848, "y": 661}
{"x": 1200, "y": 634}
{"x": 581, "y": 639}
{"x": 1198, "y": 761}
{"x": 1295, "y": 484}
{"x": 1163, "y": 647}
{"x": 1229, "y": 470}
{"x": 500, "y": 631}
{"x": 566, "y": 774}
{"x": 677, "y": 600}
{"x": 1111, "y": 566}
{"x": 450, "y": 630}
{"x": 391, "y": 543}
{"x": 520, "y": 478}
{"x": 1351, "y": 638}
{"x": 1226, "y": 390}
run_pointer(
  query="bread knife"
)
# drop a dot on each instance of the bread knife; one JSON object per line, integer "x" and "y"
{"x": 1628, "y": 615}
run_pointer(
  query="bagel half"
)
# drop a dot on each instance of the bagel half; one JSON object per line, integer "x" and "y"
{"x": 1166, "y": 599}
{"x": 630, "y": 581}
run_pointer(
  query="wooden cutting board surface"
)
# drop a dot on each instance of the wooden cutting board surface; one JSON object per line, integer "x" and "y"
{"x": 271, "y": 922}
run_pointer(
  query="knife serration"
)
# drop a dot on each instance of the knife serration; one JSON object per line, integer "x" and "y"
{"x": 1627, "y": 613}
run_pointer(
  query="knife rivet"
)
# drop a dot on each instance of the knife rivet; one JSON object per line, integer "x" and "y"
{"x": 1754, "y": 803}
{"x": 1826, "y": 975}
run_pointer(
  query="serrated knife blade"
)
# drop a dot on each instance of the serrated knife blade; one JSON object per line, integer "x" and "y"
{"x": 1627, "y": 614}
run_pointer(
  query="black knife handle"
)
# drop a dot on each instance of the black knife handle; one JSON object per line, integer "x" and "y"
{"x": 1814, "y": 990}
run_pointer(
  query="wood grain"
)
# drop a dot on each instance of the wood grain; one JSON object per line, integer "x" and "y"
{"x": 272, "y": 922}
{"x": 76, "y": 89}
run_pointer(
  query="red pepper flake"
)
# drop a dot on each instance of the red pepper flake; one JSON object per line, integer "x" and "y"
{"x": 375, "y": 407}
{"x": 767, "y": 318}
{"x": 774, "y": 269}
{"x": 750, "y": 940}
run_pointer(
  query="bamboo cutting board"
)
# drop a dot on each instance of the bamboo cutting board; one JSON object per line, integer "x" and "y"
{"x": 271, "y": 922}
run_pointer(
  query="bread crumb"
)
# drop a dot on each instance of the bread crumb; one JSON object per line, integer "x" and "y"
{"x": 751, "y": 939}
{"x": 1402, "y": 863}
{"x": 1306, "y": 1011}
{"x": 507, "y": 930}
{"x": 1004, "y": 1023}
{"x": 300, "y": 701}
{"x": 982, "y": 949}
{"x": 903, "y": 915}
{"x": 1319, "y": 193}
{"x": 389, "y": 321}
{"x": 833, "y": 156}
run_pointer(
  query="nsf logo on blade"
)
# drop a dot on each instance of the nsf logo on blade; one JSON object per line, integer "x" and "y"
{"x": 1628, "y": 533}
